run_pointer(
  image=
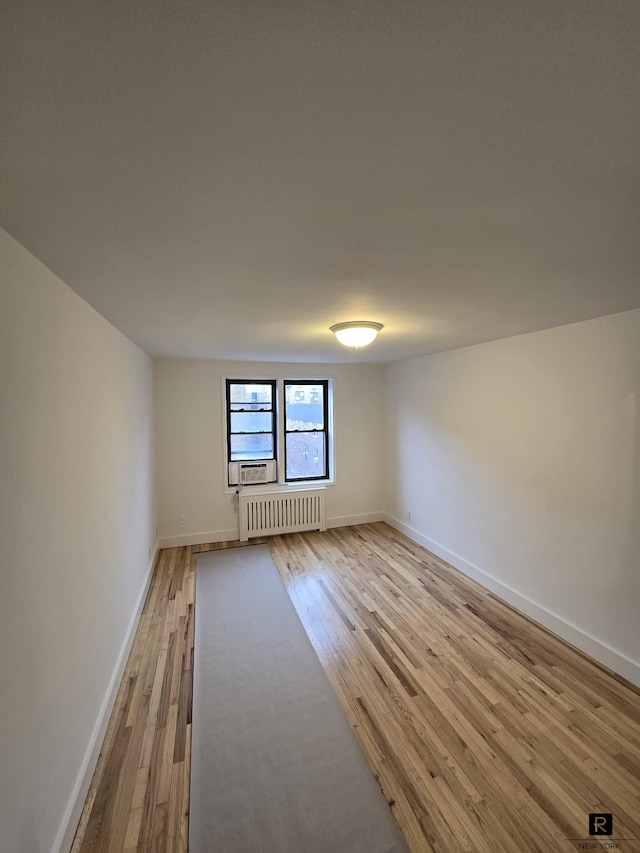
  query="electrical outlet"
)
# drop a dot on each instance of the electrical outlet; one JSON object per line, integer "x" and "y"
{"x": 407, "y": 515}
{"x": 149, "y": 551}
{"x": 183, "y": 519}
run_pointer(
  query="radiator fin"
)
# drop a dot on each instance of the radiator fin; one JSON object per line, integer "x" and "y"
{"x": 286, "y": 512}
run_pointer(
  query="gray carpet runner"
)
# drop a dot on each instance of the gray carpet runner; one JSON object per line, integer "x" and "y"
{"x": 275, "y": 767}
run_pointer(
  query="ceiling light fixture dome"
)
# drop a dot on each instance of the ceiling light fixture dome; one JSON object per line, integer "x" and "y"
{"x": 357, "y": 333}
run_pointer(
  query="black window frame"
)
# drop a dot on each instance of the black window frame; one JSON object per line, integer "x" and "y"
{"x": 274, "y": 417}
{"x": 325, "y": 431}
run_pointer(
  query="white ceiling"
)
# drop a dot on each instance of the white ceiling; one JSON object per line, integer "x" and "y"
{"x": 227, "y": 179}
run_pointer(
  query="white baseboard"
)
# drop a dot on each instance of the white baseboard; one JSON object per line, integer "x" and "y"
{"x": 350, "y": 520}
{"x": 200, "y": 538}
{"x": 596, "y": 649}
{"x": 69, "y": 823}
{"x": 232, "y": 534}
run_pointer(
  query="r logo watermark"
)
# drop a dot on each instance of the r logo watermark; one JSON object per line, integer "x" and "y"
{"x": 600, "y": 824}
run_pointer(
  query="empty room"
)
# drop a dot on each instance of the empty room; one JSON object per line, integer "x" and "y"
{"x": 320, "y": 426}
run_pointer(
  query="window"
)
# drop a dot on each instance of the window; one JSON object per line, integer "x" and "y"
{"x": 306, "y": 432}
{"x": 251, "y": 419}
{"x": 285, "y": 426}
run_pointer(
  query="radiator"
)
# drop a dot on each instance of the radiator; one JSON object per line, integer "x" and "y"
{"x": 283, "y": 512}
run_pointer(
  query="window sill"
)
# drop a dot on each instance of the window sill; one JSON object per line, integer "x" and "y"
{"x": 270, "y": 488}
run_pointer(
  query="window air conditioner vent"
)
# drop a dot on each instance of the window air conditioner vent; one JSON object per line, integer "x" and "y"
{"x": 253, "y": 473}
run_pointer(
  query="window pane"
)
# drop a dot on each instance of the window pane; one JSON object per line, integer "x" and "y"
{"x": 254, "y": 393}
{"x": 251, "y": 447}
{"x": 251, "y": 422}
{"x": 305, "y": 455}
{"x": 304, "y": 407}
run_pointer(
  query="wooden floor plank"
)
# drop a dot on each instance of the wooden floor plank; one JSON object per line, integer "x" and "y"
{"x": 485, "y": 731}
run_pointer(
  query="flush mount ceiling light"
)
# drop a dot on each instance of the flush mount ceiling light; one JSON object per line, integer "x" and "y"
{"x": 357, "y": 333}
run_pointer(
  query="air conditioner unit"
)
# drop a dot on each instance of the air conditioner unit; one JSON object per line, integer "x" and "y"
{"x": 252, "y": 473}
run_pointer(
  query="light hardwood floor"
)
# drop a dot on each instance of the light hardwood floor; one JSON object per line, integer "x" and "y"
{"x": 485, "y": 732}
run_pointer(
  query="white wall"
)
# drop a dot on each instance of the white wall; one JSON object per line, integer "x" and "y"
{"x": 519, "y": 462}
{"x": 76, "y": 523}
{"x": 191, "y": 471}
